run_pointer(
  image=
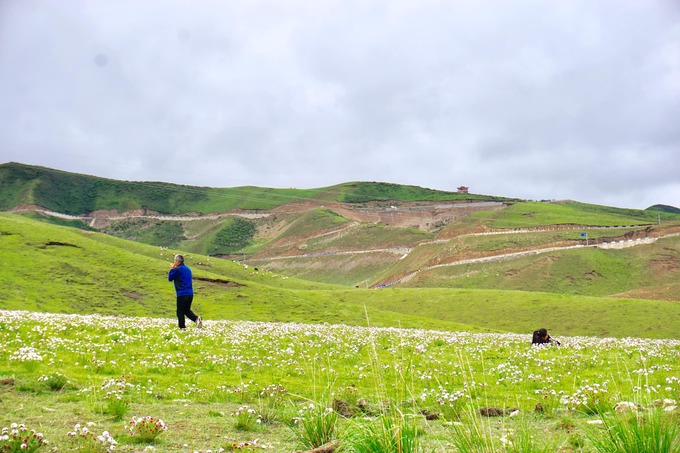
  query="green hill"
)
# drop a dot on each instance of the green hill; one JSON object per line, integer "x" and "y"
{"x": 65, "y": 270}
{"x": 585, "y": 271}
{"x": 664, "y": 208}
{"x": 533, "y": 214}
{"x": 62, "y": 270}
{"x": 371, "y": 234}
{"x": 76, "y": 194}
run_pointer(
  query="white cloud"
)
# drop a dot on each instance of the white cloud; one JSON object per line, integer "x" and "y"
{"x": 526, "y": 99}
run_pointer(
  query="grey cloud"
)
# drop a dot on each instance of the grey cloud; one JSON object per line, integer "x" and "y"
{"x": 531, "y": 99}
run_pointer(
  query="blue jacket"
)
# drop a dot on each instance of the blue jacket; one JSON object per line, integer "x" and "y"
{"x": 181, "y": 275}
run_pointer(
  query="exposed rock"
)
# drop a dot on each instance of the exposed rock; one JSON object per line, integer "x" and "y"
{"x": 491, "y": 411}
{"x": 342, "y": 408}
{"x": 496, "y": 412}
{"x": 325, "y": 448}
{"x": 665, "y": 402}
{"x": 362, "y": 404}
{"x": 623, "y": 407}
{"x": 365, "y": 407}
{"x": 429, "y": 415}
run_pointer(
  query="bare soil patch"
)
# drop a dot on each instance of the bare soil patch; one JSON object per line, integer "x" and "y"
{"x": 58, "y": 244}
{"x": 227, "y": 283}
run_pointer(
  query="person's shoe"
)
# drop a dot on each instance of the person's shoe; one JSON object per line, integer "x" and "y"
{"x": 199, "y": 322}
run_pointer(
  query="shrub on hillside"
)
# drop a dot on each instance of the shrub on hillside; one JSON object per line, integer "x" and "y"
{"x": 234, "y": 236}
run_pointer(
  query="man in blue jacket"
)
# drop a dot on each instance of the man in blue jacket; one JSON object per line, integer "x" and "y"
{"x": 180, "y": 274}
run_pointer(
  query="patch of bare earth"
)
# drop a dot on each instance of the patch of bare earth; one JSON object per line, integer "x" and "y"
{"x": 665, "y": 293}
{"x": 664, "y": 264}
{"x": 226, "y": 283}
{"x": 58, "y": 244}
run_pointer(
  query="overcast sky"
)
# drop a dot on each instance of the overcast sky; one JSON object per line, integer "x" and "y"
{"x": 536, "y": 99}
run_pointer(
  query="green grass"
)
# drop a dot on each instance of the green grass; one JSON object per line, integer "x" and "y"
{"x": 361, "y": 192}
{"x": 634, "y": 431}
{"x": 333, "y": 268}
{"x": 196, "y": 382}
{"x": 58, "y": 269}
{"x": 587, "y": 271}
{"x": 72, "y": 193}
{"x": 58, "y": 221}
{"x": 234, "y": 235}
{"x": 518, "y": 311}
{"x": 532, "y": 214}
{"x": 534, "y": 239}
{"x": 153, "y": 232}
{"x": 94, "y": 273}
{"x": 277, "y": 344}
{"x": 314, "y": 221}
{"x": 373, "y": 236}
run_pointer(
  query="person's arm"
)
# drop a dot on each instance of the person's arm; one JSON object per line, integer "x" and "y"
{"x": 173, "y": 272}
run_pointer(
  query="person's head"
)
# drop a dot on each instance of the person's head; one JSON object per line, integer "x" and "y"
{"x": 179, "y": 259}
{"x": 539, "y": 336}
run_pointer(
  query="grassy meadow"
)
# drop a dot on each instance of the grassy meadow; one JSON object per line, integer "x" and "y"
{"x": 284, "y": 386}
{"x": 88, "y": 345}
{"x": 57, "y": 269}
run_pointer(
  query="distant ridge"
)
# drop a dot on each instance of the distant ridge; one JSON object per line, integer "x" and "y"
{"x": 664, "y": 208}
{"x": 77, "y": 194}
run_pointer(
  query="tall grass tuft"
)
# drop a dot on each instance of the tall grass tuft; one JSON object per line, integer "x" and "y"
{"x": 475, "y": 435}
{"x": 471, "y": 436}
{"x": 247, "y": 419}
{"x": 650, "y": 431}
{"x": 524, "y": 439}
{"x": 392, "y": 432}
{"x": 316, "y": 426}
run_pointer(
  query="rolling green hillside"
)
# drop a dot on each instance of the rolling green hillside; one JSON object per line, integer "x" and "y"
{"x": 65, "y": 270}
{"x": 360, "y": 235}
{"x": 533, "y": 214}
{"x": 586, "y": 271}
{"x": 62, "y": 270}
{"x": 664, "y": 208}
{"x": 71, "y": 193}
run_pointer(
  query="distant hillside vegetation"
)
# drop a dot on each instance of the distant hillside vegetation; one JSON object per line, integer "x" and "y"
{"x": 373, "y": 234}
{"x": 664, "y": 208}
{"x": 362, "y": 192}
{"x": 75, "y": 194}
{"x": 59, "y": 269}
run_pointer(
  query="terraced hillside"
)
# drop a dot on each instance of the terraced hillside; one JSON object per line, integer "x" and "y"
{"x": 59, "y": 269}
{"x": 375, "y": 235}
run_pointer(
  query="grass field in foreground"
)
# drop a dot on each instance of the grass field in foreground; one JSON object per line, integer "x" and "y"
{"x": 211, "y": 386}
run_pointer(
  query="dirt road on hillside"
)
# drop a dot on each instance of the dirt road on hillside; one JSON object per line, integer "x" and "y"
{"x": 516, "y": 255}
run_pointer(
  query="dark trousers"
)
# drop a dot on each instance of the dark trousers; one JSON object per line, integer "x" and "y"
{"x": 184, "y": 309}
